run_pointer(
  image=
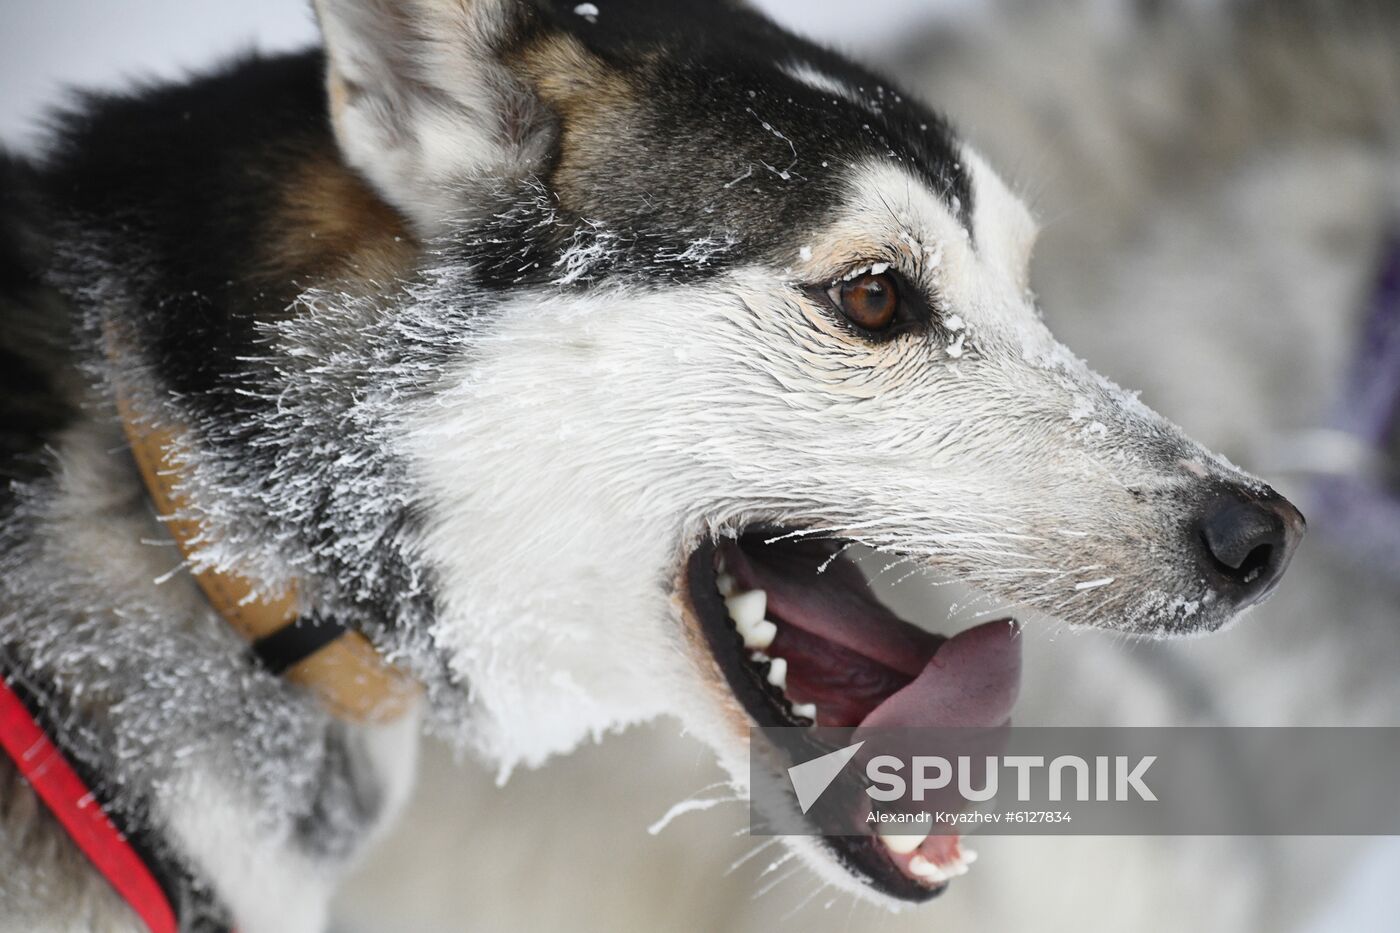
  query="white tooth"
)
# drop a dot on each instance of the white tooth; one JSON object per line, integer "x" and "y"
{"x": 957, "y": 869}
{"x": 725, "y": 584}
{"x": 805, "y": 710}
{"x": 759, "y": 636}
{"x": 926, "y": 869}
{"x": 747, "y": 609}
{"x": 757, "y": 656}
{"x": 777, "y": 673}
{"x": 901, "y": 843}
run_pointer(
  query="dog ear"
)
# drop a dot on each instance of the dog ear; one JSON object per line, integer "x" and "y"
{"x": 422, "y": 102}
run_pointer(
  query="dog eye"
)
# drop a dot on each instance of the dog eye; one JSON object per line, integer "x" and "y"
{"x": 869, "y": 301}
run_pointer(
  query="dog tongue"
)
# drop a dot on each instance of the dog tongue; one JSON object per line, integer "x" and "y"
{"x": 972, "y": 681}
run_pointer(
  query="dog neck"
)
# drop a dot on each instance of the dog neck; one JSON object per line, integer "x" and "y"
{"x": 339, "y": 666}
{"x": 242, "y": 777}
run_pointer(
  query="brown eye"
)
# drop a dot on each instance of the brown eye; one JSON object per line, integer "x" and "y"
{"x": 870, "y": 300}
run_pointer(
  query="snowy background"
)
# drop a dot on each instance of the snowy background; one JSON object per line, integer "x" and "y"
{"x": 50, "y": 45}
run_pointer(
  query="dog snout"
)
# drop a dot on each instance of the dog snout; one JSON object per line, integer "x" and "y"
{"x": 1247, "y": 539}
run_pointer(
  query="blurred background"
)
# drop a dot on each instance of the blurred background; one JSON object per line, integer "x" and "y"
{"x": 1219, "y": 185}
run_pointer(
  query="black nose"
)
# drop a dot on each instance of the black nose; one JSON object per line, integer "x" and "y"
{"x": 1248, "y": 539}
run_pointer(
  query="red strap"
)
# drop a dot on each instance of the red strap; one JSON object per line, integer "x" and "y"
{"x": 42, "y": 764}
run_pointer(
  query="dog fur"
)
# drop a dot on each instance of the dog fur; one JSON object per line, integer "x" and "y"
{"x": 1218, "y": 182}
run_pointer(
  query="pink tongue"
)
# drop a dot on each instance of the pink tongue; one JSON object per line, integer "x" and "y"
{"x": 971, "y": 682}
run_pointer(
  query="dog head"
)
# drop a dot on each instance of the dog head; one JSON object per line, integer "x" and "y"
{"x": 702, "y": 305}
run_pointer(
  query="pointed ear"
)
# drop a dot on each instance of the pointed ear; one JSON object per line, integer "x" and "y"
{"x": 422, "y": 102}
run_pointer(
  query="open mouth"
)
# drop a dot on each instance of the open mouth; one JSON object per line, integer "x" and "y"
{"x": 803, "y": 641}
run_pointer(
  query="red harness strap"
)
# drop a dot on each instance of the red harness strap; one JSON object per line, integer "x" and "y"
{"x": 74, "y": 805}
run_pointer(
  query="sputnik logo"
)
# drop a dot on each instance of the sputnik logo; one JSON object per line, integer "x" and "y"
{"x": 811, "y": 778}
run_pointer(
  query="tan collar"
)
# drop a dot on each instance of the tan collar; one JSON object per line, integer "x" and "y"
{"x": 345, "y": 672}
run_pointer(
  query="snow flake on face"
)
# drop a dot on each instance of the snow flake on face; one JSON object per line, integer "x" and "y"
{"x": 699, "y": 252}
{"x": 786, "y": 174}
{"x": 1184, "y": 608}
{"x": 1194, "y": 467}
{"x": 747, "y": 173}
{"x": 931, "y": 257}
{"x": 957, "y": 347}
{"x": 804, "y": 73}
{"x": 588, "y": 250}
{"x": 588, "y": 11}
{"x": 805, "y": 253}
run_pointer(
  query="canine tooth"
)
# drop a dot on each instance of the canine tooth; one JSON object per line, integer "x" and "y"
{"x": 759, "y": 636}
{"x": 926, "y": 869}
{"x": 777, "y": 673}
{"x": 805, "y": 710}
{"x": 747, "y": 609}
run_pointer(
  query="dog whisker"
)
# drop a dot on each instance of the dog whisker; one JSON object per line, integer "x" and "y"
{"x": 743, "y": 859}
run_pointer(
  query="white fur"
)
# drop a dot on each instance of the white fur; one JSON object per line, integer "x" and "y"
{"x": 565, "y": 480}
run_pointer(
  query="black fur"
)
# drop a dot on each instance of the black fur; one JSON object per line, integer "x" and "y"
{"x": 706, "y": 158}
{"x": 717, "y": 79}
{"x": 175, "y": 183}
{"x": 35, "y": 349}
{"x": 171, "y": 191}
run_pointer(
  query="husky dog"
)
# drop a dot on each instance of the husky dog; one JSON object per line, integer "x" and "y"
{"x": 1223, "y": 183}
{"x": 554, "y": 349}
